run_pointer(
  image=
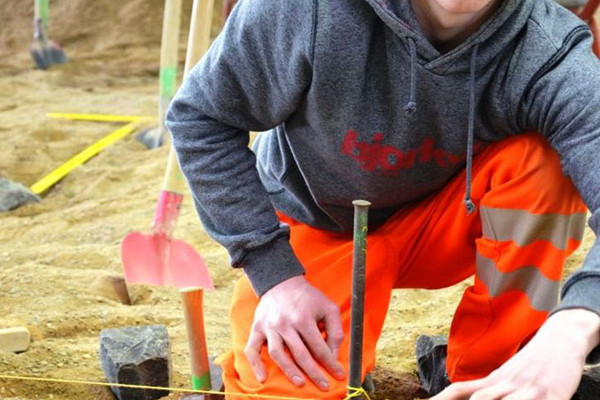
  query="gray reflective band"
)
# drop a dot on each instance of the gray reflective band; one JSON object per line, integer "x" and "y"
{"x": 541, "y": 292}
{"x": 523, "y": 227}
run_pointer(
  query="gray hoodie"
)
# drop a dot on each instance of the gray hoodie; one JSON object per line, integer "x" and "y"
{"x": 324, "y": 75}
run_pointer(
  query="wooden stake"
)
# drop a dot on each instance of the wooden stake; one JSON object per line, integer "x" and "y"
{"x": 194, "y": 320}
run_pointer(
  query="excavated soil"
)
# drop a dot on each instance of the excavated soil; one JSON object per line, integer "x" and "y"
{"x": 54, "y": 254}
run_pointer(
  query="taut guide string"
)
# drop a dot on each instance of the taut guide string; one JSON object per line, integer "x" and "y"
{"x": 355, "y": 393}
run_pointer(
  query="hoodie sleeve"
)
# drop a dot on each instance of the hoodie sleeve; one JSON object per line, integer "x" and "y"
{"x": 253, "y": 78}
{"x": 563, "y": 102}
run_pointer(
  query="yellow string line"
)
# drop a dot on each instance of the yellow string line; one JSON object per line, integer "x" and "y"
{"x": 355, "y": 392}
{"x": 98, "y": 117}
{"x": 53, "y": 177}
{"x": 122, "y": 385}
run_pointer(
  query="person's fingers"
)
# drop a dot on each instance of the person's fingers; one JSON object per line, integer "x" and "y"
{"x": 252, "y": 352}
{"x": 494, "y": 392}
{"x": 333, "y": 327}
{"x": 304, "y": 359}
{"x": 321, "y": 352}
{"x": 282, "y": 359}
{"x": 460, "y": 390}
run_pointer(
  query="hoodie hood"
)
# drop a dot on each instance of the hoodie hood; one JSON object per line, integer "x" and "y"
{"x": 496, "y": 32}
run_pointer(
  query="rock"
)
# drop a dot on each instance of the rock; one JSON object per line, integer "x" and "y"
{"x": 112, "y": 287}
{"x": 589, "y": 388}
{"x": 13, "y": 195}
{"x": 14, "y": 339}
{"x": 216, "y": 375}
{"x": 136, "y": 356}
{"x": 431, "y": 363}
{"x": 151, "y": 138}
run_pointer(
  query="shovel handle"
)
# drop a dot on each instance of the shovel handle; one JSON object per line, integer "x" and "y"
{"x": 169, "y": 49}
{"x": 200, "y": 29}
{"x": 198, "y": 43}
{"x": 174, "y": 180}
{"x": 167, "y": 212}
{"x": 41, "y": 13}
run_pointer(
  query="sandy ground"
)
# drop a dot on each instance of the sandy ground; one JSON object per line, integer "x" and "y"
{"x": 52, "y": 254}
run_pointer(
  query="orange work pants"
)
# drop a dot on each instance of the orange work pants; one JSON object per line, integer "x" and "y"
{"x": 529, "y": 218}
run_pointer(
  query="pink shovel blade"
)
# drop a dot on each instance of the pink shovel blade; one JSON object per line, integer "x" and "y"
{"x": 157, "y": 260}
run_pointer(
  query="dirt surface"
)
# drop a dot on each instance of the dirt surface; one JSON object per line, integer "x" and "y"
{"x": 54, "y": 254}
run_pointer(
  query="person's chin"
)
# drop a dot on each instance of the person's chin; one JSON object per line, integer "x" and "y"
{"x": 463, "y": 6}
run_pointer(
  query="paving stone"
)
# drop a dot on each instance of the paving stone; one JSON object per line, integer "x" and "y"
{"x": 13, "y": 195}
{"x": 431, "y": 362}
{"x": 137, "y": 355}
{"x": 15, "y": 339}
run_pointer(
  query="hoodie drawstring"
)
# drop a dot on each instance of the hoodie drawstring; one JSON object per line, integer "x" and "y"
{"x": 411, "y": 106}
{"x": 470, "y": 206}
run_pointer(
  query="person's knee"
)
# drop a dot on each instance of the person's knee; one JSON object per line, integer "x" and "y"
{"x": 530, "y": 174}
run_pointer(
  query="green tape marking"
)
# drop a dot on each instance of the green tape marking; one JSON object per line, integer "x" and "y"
{"x": 201, "y": 383}
{"x": 168, "y": 80}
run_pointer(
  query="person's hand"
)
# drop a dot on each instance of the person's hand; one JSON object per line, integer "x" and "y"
{"x": 549, "y": 367}
{"x": 288, "y": 317}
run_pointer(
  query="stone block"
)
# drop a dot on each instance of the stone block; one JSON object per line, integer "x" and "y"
{"x": 136, "y": 356}
{"x": 15, "y": 339}
{"x": 431, "y": 362}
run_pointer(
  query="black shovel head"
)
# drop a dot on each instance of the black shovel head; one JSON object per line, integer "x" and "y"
{"x": 56, "y": 53}
{"x": 46, "y": 53}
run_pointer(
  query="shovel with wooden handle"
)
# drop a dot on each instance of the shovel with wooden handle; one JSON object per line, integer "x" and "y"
{"x": 44, "y": 51}
{"x": 157, "y": 258}
{"x": 153, "y": 138}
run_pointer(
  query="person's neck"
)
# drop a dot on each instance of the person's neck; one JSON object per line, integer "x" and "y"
{"x": 446, "y": 30}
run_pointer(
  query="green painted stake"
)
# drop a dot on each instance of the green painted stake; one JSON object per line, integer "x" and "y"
{"x": 202, "y": 383}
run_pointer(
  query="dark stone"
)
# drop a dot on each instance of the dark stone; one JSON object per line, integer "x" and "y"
{"x": 137, "y": 355}
{"x": 431, "y": 363}
{"x": 216, "y": 375}
{"x": 13, "y": 195}
{"x": 589, "y": 388}
{"x": 152, "y": 138}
